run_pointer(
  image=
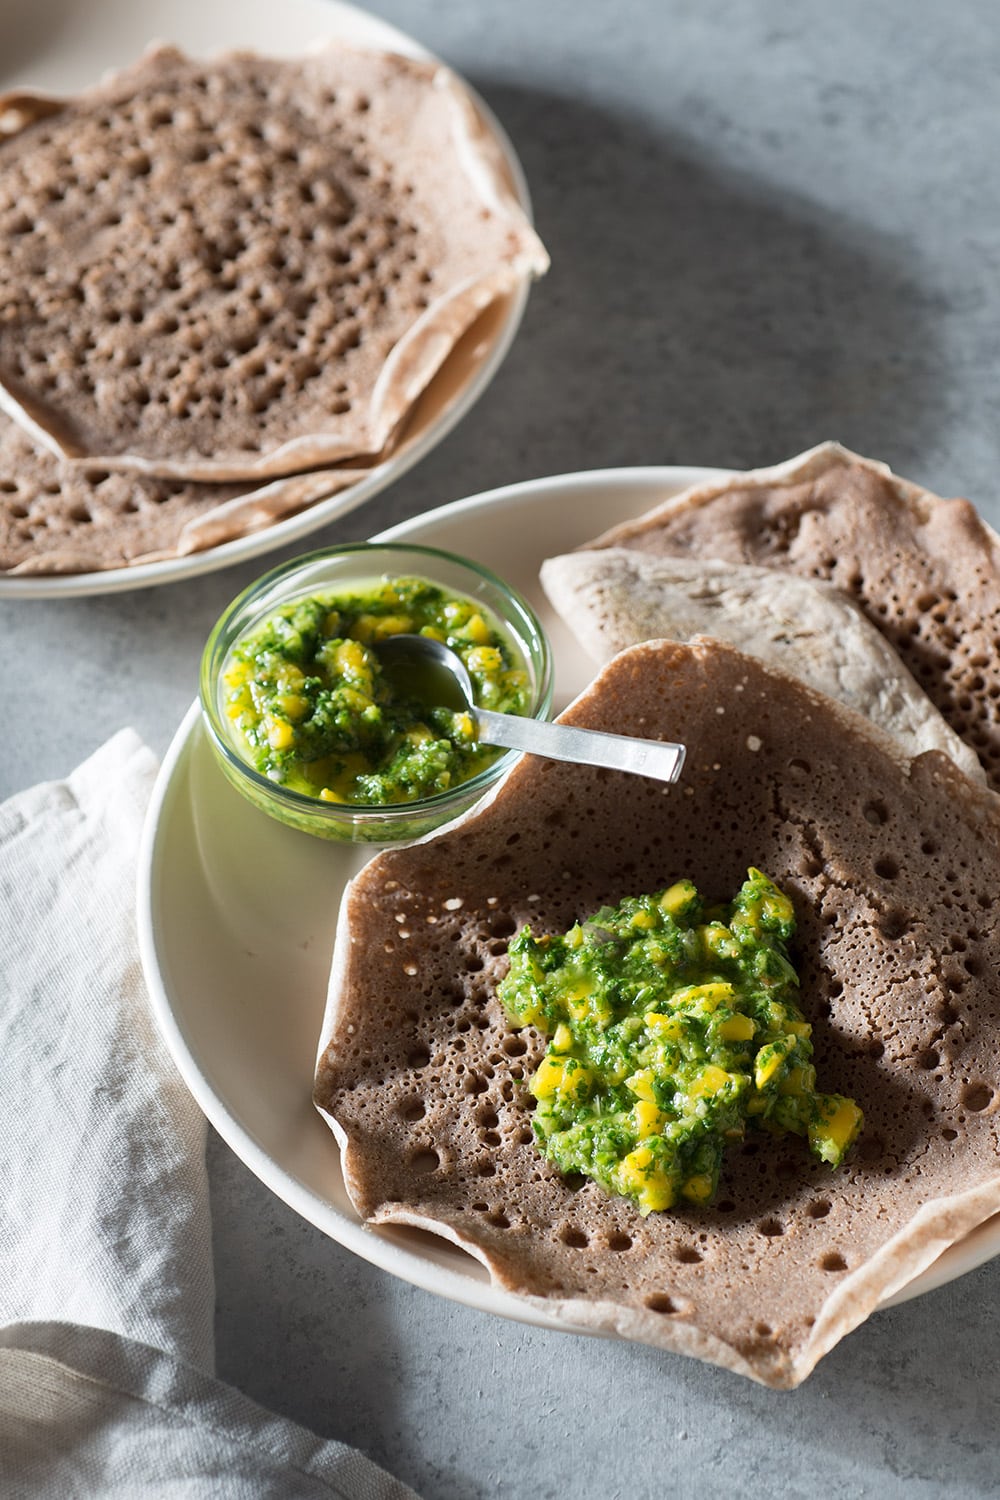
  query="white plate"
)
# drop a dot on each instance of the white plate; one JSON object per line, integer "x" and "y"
{"x": 236, "y": 913}
{"x": 60, "y": 48}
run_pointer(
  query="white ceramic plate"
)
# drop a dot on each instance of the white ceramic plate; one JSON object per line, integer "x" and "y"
{"x": 237, "y": 913}
{"x": 61, "y": 46}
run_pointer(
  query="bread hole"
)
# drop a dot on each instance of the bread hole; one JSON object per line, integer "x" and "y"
{"x": 660, "y": 1302}
{"x": 870, "y": 1148}
{"x": 929, "y": 1059}
{"x": 972, "y": 966}
{"x": 476, "y": 1084}
{"x": 886, "y": 868}
{"x": 770, "y": 1228}
{"x": 893, "y": 924}
{"x": 949, "y": 1135}
{"x": 875, "y": 813}
{"x": 575, "y": 1238}
{"x": 514, "y": 1046}
{"x": 486, "y": 1168}
{"x": 833, "y": 1261}
{"x": 80, "y": 514}
{"x": 818, "y": 1208}
{"x": 687, "y": 1255}
{"x": 18, "y": 512}
{"x": 412, "y": 1109}
{"x": 764, "y": 1330}
{"x": 619, "y": 1243}
{"x": 725, "y": 1206}
{"x": 418, "y": 1057}
{"x": 498, "y": 1220}
{"x": 425, "y": 1161}
{"x": 976, "y": 1096}
{"x": 491, "y": 1138}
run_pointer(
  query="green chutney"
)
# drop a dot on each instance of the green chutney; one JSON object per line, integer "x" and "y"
{"x": 673, "y": 1026}
{"x": 312, "y": 710}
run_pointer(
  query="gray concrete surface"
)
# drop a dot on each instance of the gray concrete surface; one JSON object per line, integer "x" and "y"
{"x": 770, "y": 223}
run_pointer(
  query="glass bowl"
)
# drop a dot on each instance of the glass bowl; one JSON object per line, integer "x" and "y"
{"x": 360, "y": 565}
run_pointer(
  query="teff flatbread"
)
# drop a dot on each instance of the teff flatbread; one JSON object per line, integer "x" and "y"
{"x": 615, "y": 597}
{"x": 60, "y": 518}
{"x": 892, "y": 868}
{"x": 246, "y": 267}
{"x": 926, "y": 571}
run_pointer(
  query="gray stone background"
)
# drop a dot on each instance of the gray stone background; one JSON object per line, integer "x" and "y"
{"x": 770, "y": 223}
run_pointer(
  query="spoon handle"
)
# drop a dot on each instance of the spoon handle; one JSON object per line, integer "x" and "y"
{"x": 656, "y": 758}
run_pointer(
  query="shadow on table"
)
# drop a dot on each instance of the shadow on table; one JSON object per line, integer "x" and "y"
{"x": 312, "y": 1332}
{"x": 694, "y": 315}
{"x": 901, "y": 1406}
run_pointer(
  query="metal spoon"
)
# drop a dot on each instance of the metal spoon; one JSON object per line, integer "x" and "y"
{"x": 428, "y": 670}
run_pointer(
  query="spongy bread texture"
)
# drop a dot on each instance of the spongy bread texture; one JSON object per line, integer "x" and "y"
{"x": 892, "y": 869}
{"x": 926, "y": 571}
{"x": 615, "y": 597}
{"x": 246, "y": 267}
{"x": 61, "y": 518}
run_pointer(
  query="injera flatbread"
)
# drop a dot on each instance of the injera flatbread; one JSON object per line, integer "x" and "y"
{"x": 245, "y": 267}
{"x": 63, "y": 518}
{"x": 926, "y": 571}
{"x": 892, "y": 867}
{"x": 614, "y": 598}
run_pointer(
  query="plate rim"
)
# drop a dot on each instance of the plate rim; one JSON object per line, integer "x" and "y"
{"x": 367, "y": 1241}
{"x": 334, "y": 18}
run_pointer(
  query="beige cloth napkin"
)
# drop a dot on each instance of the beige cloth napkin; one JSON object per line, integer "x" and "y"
{"x": 106, "y": 1289}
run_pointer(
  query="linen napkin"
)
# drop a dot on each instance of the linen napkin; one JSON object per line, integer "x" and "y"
{"x": 106, "y": 1287}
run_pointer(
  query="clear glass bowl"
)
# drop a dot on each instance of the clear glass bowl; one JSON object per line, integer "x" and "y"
{"x": 350, "y": 567}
